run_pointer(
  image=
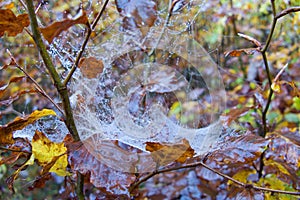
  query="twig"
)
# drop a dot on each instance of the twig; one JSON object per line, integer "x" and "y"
{"x": 52, "y": 71}
{"x": 167, "y": 21}
{"x": 280, "y": 72}
{"x": 13, "y": 150}
{"x": 287, "y": 11}
{"x": 38, "y": 87}
{"x": 263, "y": 52}
{"x": 215, "y": 171}
{"x": 83, "y": 46}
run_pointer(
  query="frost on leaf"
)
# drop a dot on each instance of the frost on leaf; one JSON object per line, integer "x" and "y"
{"x": 12, "y": 24}
{"x": 19, "y": 123}
{"x": 53, "y": 30}
{"x": 101, "y": 175}
{"x": 51, "y": 156}
{"x": 137, "y": 13}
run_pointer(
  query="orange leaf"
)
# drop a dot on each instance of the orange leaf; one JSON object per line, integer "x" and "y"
{"x": 90, "y": 67}
{"x": 11, "y": 23}
{"x": 238, "y": 52}
{"x": 6, "y": 136}
{"x": 164, "y": 154}
{"x": 53, "y": 30}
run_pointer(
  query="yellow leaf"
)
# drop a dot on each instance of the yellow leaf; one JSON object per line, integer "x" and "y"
{"x": 271, "y": 181}
{"x": 277, "y": 165}
{"x": 242, "y": 175}
{"x": 50, "y": 155}
{"x": 19, "y": 123}
{"x": 276, "y": 87}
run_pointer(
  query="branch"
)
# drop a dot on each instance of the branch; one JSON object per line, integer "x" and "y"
{"x": 248, "y": 186}
{"x": 38, "y": 87}
{"x": 263, "y": 52}
{"x": 287, "y": 11}
{"x": 61, "y": 88}
{"x": 13, "y": 150}
{"x": 83, "y": 46}
{"x": 52, "y": 71}
{"x": 167, "y": 21}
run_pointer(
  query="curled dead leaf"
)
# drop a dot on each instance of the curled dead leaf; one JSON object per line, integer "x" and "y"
{"x": 53, "y": 30}
{"x": 238, "y": 52}
{"x": 12, "y": 24}
{"x": 165, "y": 154}
{"x": 6, "y": 131}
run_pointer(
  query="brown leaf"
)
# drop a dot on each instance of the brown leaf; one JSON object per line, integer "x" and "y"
{"x": 6, "y": 136}
{"x": 234, "y": 114}
{"x": 81, "y": 159}
{"x": 40, "y": 181}
{"x": 238, "y": 52}
{"x": 137, "y": 13}
{"x": 90, "y": 67}
{"x": 251, "y": 39}
{"x": 12, "y": 24}
{"x": 15, "y": 97}
{"x": 164, "y": 154}
{"x": 12, "y": 80}
{"x": 242, "y": 149}
{"x": 53, "y": 30}
{"x": 19, "y": 149}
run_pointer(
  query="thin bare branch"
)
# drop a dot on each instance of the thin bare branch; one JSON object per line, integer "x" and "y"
{"x": 38, "y": 87}
{"x": 197, "y": 164}
{"x": 287, "y": 11}
{"x": 83, "y": 46}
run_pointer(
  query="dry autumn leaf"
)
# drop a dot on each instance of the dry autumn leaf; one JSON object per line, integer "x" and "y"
{"x": 90, "y": 67}
{"x": 238, "y": 52}
{"x": 52, "y": 156}
{"x": 6, "y": 136}
{"x": 15, "y": 97}
{"x": 53, "y": 30}
{"x": 81, "y": 159}
{"x": 234, "y": 114}
{"x": 10, "y": 180}
{"x": 12, "y": 24}
{"x": 164, "y": 154}
{"x": 12, "y": 80}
